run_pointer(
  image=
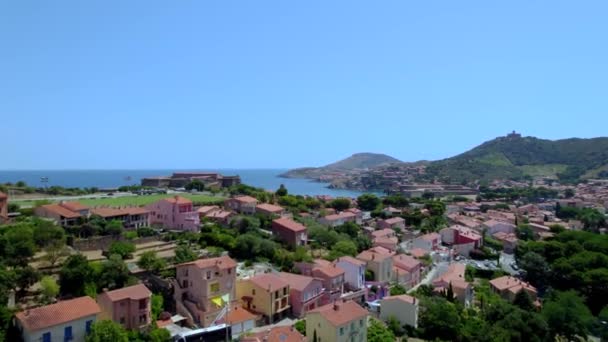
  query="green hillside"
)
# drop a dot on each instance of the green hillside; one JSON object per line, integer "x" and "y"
{"x": 519, "y": 158}
{"x": 356, "y": 161}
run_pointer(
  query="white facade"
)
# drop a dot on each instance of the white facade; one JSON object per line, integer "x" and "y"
{"x": 241, "y": 328}
{"x": 405, "y": 313}
{"x": 423, "y": 244}
{"x": 354, "y": 275}
{"x": 58, "y": 332}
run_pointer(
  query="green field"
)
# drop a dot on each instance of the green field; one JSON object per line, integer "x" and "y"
{"x": 137, "y": 200}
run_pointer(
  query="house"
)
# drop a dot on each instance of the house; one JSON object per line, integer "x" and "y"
{"x": 395, "y": 223}
{"x": 428, "y": 242}
{"x": 391, "y": 211}
{"x": 455, "y": 277}
{"x": 508, "y": 287}
{"x": 382, "y": 233}
{"x": 539, "y": 228}
{"x": 379, "y": 263}
{"x": 404, "y": 308}
{"x": 206, "y": 210}
{"x": 339, "y": 321}
{"x": 131, "y": 217}
{"x": 174, "y": 213}
{"x": 266, "y": 294}
{"x": 305, "y": 293}
{"x": 76, "y": 207}
{"x": 390, "y": 243}
{"x": 275, "y": 334}
{"x": 358, "y": 214}
{"x": 269, "y": 209}
{"x": 493, "y": 226}
{"x": 128, "y": 306}
{"x": 60, "y": 215}
{"x": 406, "y": 270}
{"x": 291, "y": 232}
{"x": 242, "y": 204}
{"x": 335, "y": 220}
{"x": 215, "y": 214}
{"x": 462, "y": 239}
{"x": 68, "y": 320}
{"x": 3, "y": 207}
{"x": 204, "y": 288}
{"x": 332, "y": 277}
{"x": 354, "y": 276}
{"x": 240, "y": 320}
{"x": 509, "y": 241}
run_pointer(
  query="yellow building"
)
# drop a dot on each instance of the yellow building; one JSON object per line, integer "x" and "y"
{"x": 265, "y": 294}
{"x": 337, "y": 322}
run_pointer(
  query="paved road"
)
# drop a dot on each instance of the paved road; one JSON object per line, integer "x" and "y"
{"x": 505, "y": 262}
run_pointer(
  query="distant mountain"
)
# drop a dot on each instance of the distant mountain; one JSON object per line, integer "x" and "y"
{"x": 354, "y": 162}
{"x": 518, "y": 158}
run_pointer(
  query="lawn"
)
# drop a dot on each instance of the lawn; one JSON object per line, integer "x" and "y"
{"x": 139, "y": 200}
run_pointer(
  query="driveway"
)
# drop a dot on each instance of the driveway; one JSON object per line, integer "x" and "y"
{"x": 437, "y": 271}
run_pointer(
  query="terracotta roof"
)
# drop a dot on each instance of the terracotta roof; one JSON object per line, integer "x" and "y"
{"x": 136, "y": 211}
{"x": 418, "y": 252}
{"x": 246, "y": 199}
{"x": 207, "y": 209}
{"x": 394, "y": 220}
{"x": 404, "y": 298}
{"x": 383, "y": 232}
{"x": 454, "y": 274}
{"x": 222, "y": 262}
{"x": 331, "y": 271}
{"x": 370, "y": 255}
{"x": 296, "y": 281}
{"x": 430, "y": 237}
{"x": 405, "y": 261}
{"x": 135, "y": 292}
{"x": 290, "y": 224}
{"x": 276, "y": 334}
{"x": 339, "y": 216}
{"x": 238, "y": 315}
{"x": 270, "y": 208}
{"x": 351, "y": 260}
{"x": 58, "y": 313}
{"x": 219, "y": 214}
{"x": 109, "y": 212}
{"x": 341, "y": 313}
{"x": 61, "y": 211}
{"x": 74, "y": 206}
{"x": 268, "y": 281}
{"x": 178, "y": 200}
{"x": 510, "y": 283}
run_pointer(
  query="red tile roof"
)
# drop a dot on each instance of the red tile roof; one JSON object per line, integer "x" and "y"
{"x": 290, "y": 224}
{"x": 58, "y": 313}
{"x": 340, "y": 313}
{"x": 74, "y": 206}
{"x": 239, "y": 315}
{"x": 296, "y": 281}
{"x": 510, "y": 283}
{"x": 222, "y": 262}
{"x": 271, "y": 208}
{"x": 268, "y": 281}
{"x": 135, "y": 292}
{"x": 61, "y": 211}
{"x": 136, "y": 211}
{"x": 178, "y": 200}
{"x": 404, "y": 298}
{"x": 394, "y": 220}
{"x": 331, "y": 271}
{"x": 246, "y": 199}
{"x": 109, "y": 212}
{"x": 276, "y": 334}
{"x": 406, "y": 261}
{"x": 430, "y": 237}
{"x": 351, "y": 260}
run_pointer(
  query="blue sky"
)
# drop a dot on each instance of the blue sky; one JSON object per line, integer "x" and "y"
{"x": 267, "y": 84}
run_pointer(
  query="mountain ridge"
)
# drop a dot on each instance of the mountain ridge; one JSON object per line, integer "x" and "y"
{"x": 361, "y": 160}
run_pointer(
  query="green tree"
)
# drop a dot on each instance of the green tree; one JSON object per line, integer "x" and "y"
{"x": 282, "y": 191}
{"x": 157, "y": 304}
{"x": 54, "y": 252}
{"x": 107, "y": 331}
{"x": 123, "y": 248}
{"x": 301, "y": 326}
{"x": 342, "y": 248}
{"x": 114, "y": 273}
{"x": 439, "y": 319}
{"x": 524, "y": 232}
{"x": 569, "y": 193}
{"x": 368, "y": 202}
{"x": 19, "y": 245}
{"x": 114, "y": 227}
{"x": 398, "y": 289}
{"x": 47, "y": 233}
{"x": 349, "y": 228}
{"x": 567, "y": 315}
{"x": 150, "y": 262}
{"x": 75, "y": 272}
{"x": 536, "y": 267}
{"x": 26, "y": 277}
{"x": 195, "y": 184}
{"x": 394, "y": 325}
{"x": 378, "y": 332}
{"x": 183, "y": 254}
{"x": 340, "y": 204}
{"x": 523, "y": 301}
{"x": 159, "y": 335}
{"x": 49, "y": 289}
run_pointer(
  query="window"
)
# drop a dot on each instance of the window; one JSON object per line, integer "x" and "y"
{"x": 361, "y": 323}
{"x": 285, "y": 292}
{"x": 230, "y": 271}
{"x": 208, "y": 274}
{"x": 253, "y": 292}
{"x": 143, "y": 304}
{"x": 352, "y": 325}
{"x": 341, "y": 331}
{"x": 185, "y": 272}
{"x": 276, "y": 294}
{"x": 143, "y": 319}
{"x": 67, "y": 334}
{"x": 46, "y": 337}
{"x": 185, "y": 283}
{"x": 122, "y": 320}
{"x": 88, "y": 326}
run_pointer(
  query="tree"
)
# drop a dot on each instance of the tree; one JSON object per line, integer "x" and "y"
{"x": 54, "y": 252}
{"x": 368, "y": 202}
{"x": 523, "y": 301}
{"x": 49, "y": 289}
{"x": 20, "y": 245}
{"x": 569, "y": 193}
{"x": 114, "y": 227}
{"x": 114, "y": 273}
{"x": 183, "y": 254}
{"x": 282, "y": 191}
{"x": 26, "y": 277}
{"x": 398, "y": 289}
{"x": 394, "y": 326}
{"x": 122, "y": 248}
{"x": 195, "y": 184}
{"x": 524, "y": 232}
{"x": 74, "y": 274}
{"x": 344, "y": 247}
{"x": 377, "y": 332}
{"x": 439, "y": 320}
{"x": 157, "y": 304}
{"x": 567, "y": 315}
{"x": 301, "y": 326}
{"x": 47, "y": 233}
{"x": 150, "y": 262}
{"x": 159, "y": 335}
{"x": 349, "y": 228}
{"x": 340, "y": 204}
{"x": 536, "y": 267}
{"x": 107, "y": 331}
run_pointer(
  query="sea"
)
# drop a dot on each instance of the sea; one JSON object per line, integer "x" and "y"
{"x": 263, "y": 178}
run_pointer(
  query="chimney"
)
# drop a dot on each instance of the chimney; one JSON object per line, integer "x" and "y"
{"x": 336, "y": 307}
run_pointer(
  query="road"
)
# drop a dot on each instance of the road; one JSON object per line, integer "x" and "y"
{"x": 435, "y": 272}
{"x": 505, "y": 263}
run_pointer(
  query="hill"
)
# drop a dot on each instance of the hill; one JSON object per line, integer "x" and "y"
{"x": 518, "y": 158}
{"x": 354, "y": 162}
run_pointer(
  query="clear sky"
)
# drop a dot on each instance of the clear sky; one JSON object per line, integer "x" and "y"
{"x": 269, "y": 84}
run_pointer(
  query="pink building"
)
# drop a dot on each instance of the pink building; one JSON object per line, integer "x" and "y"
{"x": 428, "y": 242}
{"x": 242, "y": 204}
{"x": 495, "y": 226}
{"x": 392, "y": 223}
{"x": 291, "y": 232}
{"x": 333, "y": 281}
{"x": 358, "y": 214}
{"x": 204, "y": 289}
{"x": 335, "y": 220}
{"x": 406, "y": 270}
{"x": 269, "y": 209}
{"x": 3, "y": 207}
{"x": 129, "y": 306}
{"x": 305, "y": 293}
{"x": 174, "y": 213}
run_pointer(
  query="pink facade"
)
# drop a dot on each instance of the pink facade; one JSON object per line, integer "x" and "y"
{"x": 3, "y": 207}
{"x": 129, "y": 306}
{"x": 291, "y": 232}
{"x": 406, "y": 270}
{"x": 332, "y": 277}
{"x": 174, "y": 213}
{"x": 305, "y": 293}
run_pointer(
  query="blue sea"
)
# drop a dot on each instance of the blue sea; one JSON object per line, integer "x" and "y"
{"x": 263, "y": 178}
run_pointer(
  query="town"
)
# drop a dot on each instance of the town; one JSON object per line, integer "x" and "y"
{"x": 252, "y": 265}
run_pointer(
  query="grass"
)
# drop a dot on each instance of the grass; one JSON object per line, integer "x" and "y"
{"x": 139, "y": 200}
{"x": 545, "y": 170}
